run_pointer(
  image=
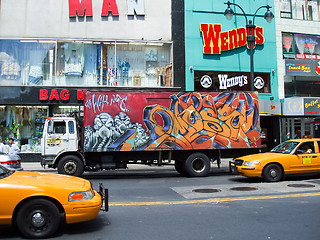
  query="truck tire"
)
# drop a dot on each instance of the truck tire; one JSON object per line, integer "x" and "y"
{"x": 71, "y": 165}
{"x": 197, "y": 165}
{"x": 38, "y": 218}
{"x": 179, "y": 166}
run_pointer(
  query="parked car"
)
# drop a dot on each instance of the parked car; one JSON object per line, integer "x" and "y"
{"x": 12, "y": 162}
{"x": 38, "y": 203}
{"x": 290, "y": 157}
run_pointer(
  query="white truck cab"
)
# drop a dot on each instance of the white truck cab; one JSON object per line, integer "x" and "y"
{"x": 59, "y": 138}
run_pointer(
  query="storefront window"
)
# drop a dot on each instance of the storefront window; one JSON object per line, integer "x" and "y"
{"x": 24, "y": 124}
{"x": 301, "y": 46}
{"x": 25, "y": 62}
{"x": 85, "y": 63}
{"x": 65, "y": 110}
{"x": 300, "y": 9}
{"x": 285, "y": 9}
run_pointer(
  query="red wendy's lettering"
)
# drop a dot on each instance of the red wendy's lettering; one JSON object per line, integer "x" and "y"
{"x": 211, "y": 36}
{"x": 80, "y": 8}
{"x": 109, "y": 6}
{"x": 215, "y": 41}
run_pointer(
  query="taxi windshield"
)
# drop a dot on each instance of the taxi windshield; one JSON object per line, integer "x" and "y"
{"x": 285, "y": 147}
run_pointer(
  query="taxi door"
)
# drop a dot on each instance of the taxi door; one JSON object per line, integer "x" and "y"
{"x": 306, "y": 158}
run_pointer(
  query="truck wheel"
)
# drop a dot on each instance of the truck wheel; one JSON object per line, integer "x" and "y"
{"x": 272, "y": 173}
{"x": 197, "y": 165}
{"x": 71, "y": 165}
{"x": 38, "y": 218}
{"x": 179, "y": 166}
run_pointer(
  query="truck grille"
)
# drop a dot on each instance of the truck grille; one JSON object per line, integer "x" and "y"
{"x": 238, "y": 162}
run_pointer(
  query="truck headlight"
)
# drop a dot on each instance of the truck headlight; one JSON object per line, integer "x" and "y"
{"x": 81, "y": 196}
{"x": 252, "y": 164}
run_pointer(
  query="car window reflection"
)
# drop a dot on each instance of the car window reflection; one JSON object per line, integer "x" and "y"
{"x": 285, "y": 147}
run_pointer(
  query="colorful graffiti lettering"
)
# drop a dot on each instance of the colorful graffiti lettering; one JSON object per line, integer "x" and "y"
{"x": 192, "y": 121}
{"x": 105, "y": 100}
{"x": 195, "y": 121}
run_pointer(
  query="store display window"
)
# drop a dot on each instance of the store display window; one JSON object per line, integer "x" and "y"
{"x": 300, "y": 9}
{"x": 85, "y": 63}
{"x": 24, "y": 124}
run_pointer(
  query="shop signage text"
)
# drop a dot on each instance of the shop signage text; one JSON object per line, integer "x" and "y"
{"x": 311, "y": 106}
{"x": 83, "y": 8}
{"x": 63, "y": 95}
{"x": 215, "y": 41}
{"x": 301, "y": 106}
{"x": 226, "y": 82}
{"x": 302, "y": 67}
{"x": 230, "y": 81}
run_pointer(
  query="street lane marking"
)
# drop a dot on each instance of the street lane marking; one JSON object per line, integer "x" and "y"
{"x": 215, "y": 200}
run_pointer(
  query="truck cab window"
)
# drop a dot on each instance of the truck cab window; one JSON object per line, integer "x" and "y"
{"x": 59, "y": 127}
{"x": 71, "y": 127}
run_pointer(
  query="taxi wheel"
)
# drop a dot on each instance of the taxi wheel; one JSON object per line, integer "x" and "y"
{"x": 38, "y": 218}
{"x": 197, "y": 165}
{"x": 71, "y": 165}
{"x": 272, "y": 173}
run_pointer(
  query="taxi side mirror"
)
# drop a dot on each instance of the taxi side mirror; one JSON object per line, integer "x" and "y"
{"x": 299, "y": 151}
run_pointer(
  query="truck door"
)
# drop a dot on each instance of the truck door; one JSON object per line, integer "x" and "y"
{"x": 57, "y": 137}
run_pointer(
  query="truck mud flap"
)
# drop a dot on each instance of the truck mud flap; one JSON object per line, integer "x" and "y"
{"x": 104, "y": 193}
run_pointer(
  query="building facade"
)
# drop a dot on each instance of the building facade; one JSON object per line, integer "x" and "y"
{"x": 52, "y": 52}
{"x": 218, "y": 57}
{"x": 298, "y": 59}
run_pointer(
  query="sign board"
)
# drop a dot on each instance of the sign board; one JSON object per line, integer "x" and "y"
{"x": 269, "y": 107}
{"x": 230, "y": 81}
{"x": 302, "y": 68}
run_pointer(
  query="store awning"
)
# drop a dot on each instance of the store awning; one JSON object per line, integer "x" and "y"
{"x": 314, "y": 122}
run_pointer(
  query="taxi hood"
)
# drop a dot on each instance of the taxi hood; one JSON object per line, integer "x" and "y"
{"x": 48, "y": 180}
{"x": 261, "y": 156}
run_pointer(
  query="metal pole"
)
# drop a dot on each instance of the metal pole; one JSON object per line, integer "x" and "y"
{"x": 251, "y": 68}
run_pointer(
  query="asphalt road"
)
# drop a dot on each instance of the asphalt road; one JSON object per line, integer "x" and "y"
{"x": 157, "y": 203}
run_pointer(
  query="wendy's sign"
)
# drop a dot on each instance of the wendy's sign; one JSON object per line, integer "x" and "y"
{"x": 215, "y": 41}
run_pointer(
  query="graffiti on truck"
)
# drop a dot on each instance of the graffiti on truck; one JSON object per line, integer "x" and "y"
{"x": 193, "y": 121}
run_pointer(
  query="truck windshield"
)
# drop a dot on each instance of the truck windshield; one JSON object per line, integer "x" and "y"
{"x": 285, "y": 147}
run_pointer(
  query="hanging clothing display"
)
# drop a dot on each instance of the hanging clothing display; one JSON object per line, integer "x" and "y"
{"x": 35, "y": 75}
{"x": 10, "y": 69}
{"x": 124, "y": 66}
{"x": 74, "y": 59}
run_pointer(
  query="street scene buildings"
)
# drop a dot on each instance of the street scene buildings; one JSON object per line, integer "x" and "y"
{"x": 52, "y": 52}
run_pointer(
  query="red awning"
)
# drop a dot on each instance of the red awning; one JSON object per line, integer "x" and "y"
{"x": 314, "y": 122}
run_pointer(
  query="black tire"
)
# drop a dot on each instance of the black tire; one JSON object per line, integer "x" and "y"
{"x": 179, "y": 166}
{"x": 197, "y": 165}
{"x": 38, "y": 218}
{"x": 71, "y": 165}
{"x": 272, "y": 173}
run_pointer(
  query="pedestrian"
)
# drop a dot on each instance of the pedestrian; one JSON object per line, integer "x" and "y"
{"x": 2, "y": 148}
{"x": 13, "y": 148}
{"x": 287, "y": 136}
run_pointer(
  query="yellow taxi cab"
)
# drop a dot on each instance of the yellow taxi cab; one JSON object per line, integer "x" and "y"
{"x": 290, "y": 157}
{"x": 38, "y": 203}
